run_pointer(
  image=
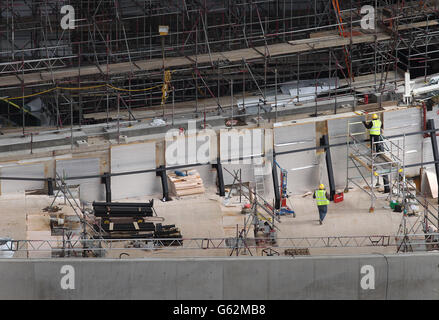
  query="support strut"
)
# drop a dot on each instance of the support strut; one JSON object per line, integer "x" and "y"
{"x": 324, "y": 141}
{"x": 275, "y": 184}
{"x": 161, "y": 172}
{"x": 219, "y": 169}
{"x": 50, "y": 187}
{"x": 106, "y": 179}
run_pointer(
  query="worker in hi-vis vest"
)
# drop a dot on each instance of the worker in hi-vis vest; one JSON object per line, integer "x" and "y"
{"x": 322, "y": 202}
{"x": 375, "y": 127}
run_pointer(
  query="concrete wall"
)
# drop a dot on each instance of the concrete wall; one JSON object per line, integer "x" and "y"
{"x": 308, "y": 169}
{"x": 405, "y": 276}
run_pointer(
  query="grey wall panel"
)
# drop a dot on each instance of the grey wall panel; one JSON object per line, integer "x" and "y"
{"x": 337, "y": 131}
{"x": 207, "y": 174}
{"x": 90, "y": 189}
{"x": 246, "y": 172}
{"x": 241, "y": 143}
{"x": 28, "y": 171}
{"x": 301, "y": 166}
{"x": 133, "y": 157}
{"x": 196, "y": 148}
{"x": 294, "y": 137}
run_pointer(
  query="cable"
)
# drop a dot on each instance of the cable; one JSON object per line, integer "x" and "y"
{"x": 133, "y": 90}
{"x": 14, "y": 105}
{"x": 387, "y": 272}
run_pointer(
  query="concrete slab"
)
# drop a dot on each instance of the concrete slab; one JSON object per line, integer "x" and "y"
{"x": 205, "y": 216}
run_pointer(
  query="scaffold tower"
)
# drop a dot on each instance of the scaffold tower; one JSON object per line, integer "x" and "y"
{"x": 369, "y": 161}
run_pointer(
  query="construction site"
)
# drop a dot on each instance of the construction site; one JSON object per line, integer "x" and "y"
{"x": 221, "y": 145}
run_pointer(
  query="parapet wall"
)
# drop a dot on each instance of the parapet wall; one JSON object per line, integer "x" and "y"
{"x": 408, "y": 276}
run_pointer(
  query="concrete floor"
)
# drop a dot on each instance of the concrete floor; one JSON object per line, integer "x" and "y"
{"x": 206, "y": 216}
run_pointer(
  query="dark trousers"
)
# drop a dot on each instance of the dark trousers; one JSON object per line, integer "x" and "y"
{"x": 322, "y": 211}
{"x": 378, "y": 147}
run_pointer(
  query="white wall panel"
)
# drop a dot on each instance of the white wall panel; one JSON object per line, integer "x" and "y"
{"x": 28, "y": 171}
{"x": 406, "y": 121}
{"x": 90, "y": 189}
{"x": 133, "y": 157}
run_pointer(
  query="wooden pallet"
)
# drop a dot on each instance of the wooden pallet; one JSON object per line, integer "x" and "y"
{"x": 187, "y": 185}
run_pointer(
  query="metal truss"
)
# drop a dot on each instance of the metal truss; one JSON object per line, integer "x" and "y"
{"x": 79, "y": 246}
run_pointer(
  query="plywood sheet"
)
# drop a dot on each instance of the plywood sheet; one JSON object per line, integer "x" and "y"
{"x": 429, "y": 184}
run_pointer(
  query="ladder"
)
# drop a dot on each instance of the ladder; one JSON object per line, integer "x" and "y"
{"x": 258, "y": 173}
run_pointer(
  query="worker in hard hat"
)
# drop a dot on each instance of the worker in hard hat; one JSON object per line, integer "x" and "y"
{"x": 322, "y": 202}
{"x": 375, "y": 127}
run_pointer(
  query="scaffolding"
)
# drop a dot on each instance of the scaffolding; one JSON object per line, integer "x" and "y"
{"x": 115, "y": 58}
{"x": 367, "y": 162}
{"x": 383, "y": 159}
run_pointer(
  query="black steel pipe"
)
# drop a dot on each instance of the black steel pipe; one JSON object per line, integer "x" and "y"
{"x": 123, "y": 204}
{"x": 50, "y": 187}
{"x": 275, "y": 184}
{"x": 106, "y": 179}
{"x": 122, "y": 212}
{"x": 219, "y": 169}
{"x": 325, "y": 141}
{"x": 161, "y": 172}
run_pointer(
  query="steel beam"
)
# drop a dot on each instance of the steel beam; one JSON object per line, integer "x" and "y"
{"x": 219, "y": 170}
{"x": 106, "y": 179}
{"x": 275, "y": 183}
{"x": 325, "y": 142}
{"x": 161, "y": 172}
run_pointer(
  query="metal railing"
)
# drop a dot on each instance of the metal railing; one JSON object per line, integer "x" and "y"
{"x": 79, "y": 246}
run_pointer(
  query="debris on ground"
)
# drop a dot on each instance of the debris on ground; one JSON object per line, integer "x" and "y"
{"x": 52, "y": 209}
{"x": 297, "y": 252}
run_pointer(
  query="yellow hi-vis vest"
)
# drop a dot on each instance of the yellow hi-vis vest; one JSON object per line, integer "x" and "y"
{"x": 321, "y": 198}
{"x": 375, "y": 130}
